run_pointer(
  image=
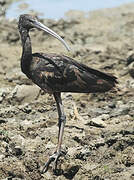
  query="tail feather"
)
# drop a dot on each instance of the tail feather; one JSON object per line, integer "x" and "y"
{"x": 92, "y": 80}
{"x": 105, "y": 76}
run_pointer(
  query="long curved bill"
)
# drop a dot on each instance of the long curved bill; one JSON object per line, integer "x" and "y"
{"x": 41, "y": 26}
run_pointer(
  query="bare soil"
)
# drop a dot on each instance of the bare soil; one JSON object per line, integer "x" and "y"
{"x": 99, "y": 133}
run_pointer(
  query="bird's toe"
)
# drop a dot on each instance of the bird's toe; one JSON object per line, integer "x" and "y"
{"x": 54, "y": 158}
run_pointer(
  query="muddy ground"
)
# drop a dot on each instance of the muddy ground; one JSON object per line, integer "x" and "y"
{"x": 99, "y": 133}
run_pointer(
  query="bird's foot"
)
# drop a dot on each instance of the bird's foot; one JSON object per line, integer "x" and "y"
{"x": 53, "y": 158}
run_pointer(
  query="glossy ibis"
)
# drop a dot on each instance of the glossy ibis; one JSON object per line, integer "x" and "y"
{"x": 58, "y": 73}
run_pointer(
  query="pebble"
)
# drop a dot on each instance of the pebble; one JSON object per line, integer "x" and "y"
{"x": 98, "y": 121}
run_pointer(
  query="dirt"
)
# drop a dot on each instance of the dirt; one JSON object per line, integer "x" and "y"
{"x": 99, "y": 133}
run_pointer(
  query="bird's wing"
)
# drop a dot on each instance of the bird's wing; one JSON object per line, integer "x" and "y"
{"x": 59, "y": 73}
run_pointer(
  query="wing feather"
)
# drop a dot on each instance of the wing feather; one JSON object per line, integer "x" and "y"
{"x": 58, "y": 73}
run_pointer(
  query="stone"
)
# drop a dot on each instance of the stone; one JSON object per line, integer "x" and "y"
{"x": 131, "y": 69}
{"x": 98, "y": 121}
{"x": 25, "y": 93}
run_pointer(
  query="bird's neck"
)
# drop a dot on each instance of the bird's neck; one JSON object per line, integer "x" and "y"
{"x": 26, "y": 52}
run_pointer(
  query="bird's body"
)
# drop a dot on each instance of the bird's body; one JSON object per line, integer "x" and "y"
{"x": 58, "y": 73}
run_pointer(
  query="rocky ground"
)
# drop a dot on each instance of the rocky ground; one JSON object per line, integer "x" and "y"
{"x": 99, "y": 133}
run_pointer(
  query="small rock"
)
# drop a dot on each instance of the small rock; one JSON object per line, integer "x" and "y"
{"x": 90, "y": 167}
{"x": 18, "y": 139}
{"x": 121, "y": 110}
{"x": 72, "y": 151}
{"x": 130, "y": 59}
{"x": 98, "y": 111}
{"x": 26, "y": 124}
{"x": 49, "y": 145}
{"x": 98, "y": 121}
{"x": 17, "y": 76}
{"x": 25, "y": 108}
{"x": 25, "y": 93}
{"x": 2, "y": 157}
{"x": 3, "y": 93}
{"x": 131, "y": 84}
{"x": 83, "y": 154}
{"x": 17, "y": 151}
{"x": 131, "y": 69}
{"x": 2, "y": 121}
{"x": 99, "y": 142}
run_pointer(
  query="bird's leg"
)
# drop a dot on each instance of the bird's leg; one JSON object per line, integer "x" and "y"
{"x": 61, "y": 124}
{"x": 62, "y": 119}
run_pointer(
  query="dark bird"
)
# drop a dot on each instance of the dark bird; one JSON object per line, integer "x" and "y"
{"x": 58, "y": 73}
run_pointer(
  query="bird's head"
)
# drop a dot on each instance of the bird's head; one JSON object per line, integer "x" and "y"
{"x": 28, "y": 22}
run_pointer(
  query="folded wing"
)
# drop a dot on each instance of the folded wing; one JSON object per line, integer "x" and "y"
{"x": 62, "y": 74}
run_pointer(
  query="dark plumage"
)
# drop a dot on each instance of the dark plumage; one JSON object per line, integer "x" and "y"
{"x": 58, "y": 73}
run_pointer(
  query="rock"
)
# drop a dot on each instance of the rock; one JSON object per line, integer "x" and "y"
{"x": 8, "y": 112}
{"x": 3, "y": 93}
{"x": 50, "y": 145}
{"x": 90, "y": 167}
{"x": 83, "y": 153}
{"x": 120, "y": 110}
{"x": 131, "y": 69}
{"x": 98, "y": 121}
{"x": 99, "y": 142}
{"x": 15, "y": 75}
{"x": 25, "y": 124}
{"x": 130, "y": 58}
{"x": 72, "y": 151}
{"x": 1, "y": 157}
{"x": 130, "y": 64}
{"x": 99, "y": 111}
{"x": 18, "y": 140}
{"x": 131, "y": 84}
{"x": 24, "y": 93}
